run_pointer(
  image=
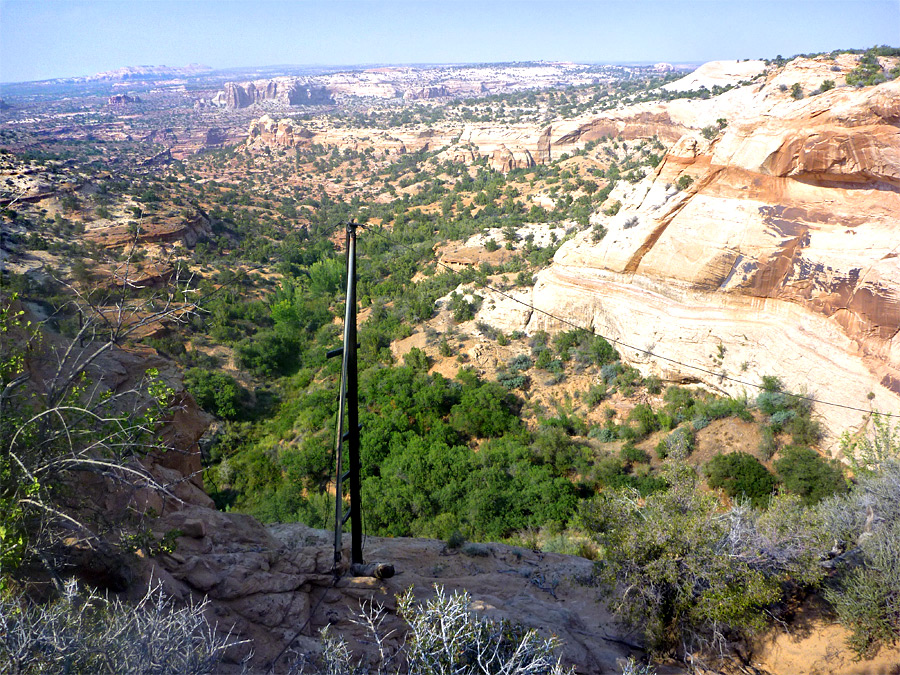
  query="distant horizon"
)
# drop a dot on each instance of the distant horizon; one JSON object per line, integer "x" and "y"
{"x": 80, "y": 38}
{"x": 358, "y": 66}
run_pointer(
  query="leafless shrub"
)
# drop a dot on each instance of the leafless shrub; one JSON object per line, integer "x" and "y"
{"x": 446, "y": 637}
{"x": 60, "y": 419}
{"x": 866, "y": 595}
{"x": 93, "y": 634}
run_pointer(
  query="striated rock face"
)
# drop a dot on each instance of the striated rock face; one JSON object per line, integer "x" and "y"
{"x": 288, "y": 91}
{"x": 784, "y": 251}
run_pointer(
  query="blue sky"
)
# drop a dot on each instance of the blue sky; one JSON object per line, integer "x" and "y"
{"x": 42, "y": 39}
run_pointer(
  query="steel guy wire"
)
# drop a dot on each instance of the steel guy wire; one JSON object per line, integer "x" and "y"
{"x": 568, "y": 322}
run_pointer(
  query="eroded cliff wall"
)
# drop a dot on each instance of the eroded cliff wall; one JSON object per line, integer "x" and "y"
{"x": 783, "y": 251}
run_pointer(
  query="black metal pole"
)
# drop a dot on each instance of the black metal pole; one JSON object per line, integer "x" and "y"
{"x": 352, "y": 401}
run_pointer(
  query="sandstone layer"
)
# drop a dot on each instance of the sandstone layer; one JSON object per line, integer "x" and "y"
{"x": 782, "y": 255}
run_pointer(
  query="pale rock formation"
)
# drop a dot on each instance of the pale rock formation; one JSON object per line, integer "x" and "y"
{"x": 284, "y": 90}
{"x": 783, "y": 250}
{"x": 426, "y": 93}
{"x": 220, "y": 100}
{"x": 717, "y": 73}
{"x": 285, "y": 132}
{"x": 503, "y": 160}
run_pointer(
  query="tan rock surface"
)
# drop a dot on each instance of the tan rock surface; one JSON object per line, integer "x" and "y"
{"x": 784, "y": 251}
{"x": 271, "y": 583}
{"x": 275, "y": 586}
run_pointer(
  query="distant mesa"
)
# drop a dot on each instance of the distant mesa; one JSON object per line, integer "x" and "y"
{"x": 122, "y": 100}
{"x": 287, "y": 91}
{"x": 150, "y": 72}
{"x": 4, "y": 105}
{"x": 137, "y": 73}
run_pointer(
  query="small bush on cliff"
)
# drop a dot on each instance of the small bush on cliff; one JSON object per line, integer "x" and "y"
{"x": 684, "y": 182}
{"x": 865, "y": 595}
{"x": 741, "y": 476}
{"x": 690, "y": 577}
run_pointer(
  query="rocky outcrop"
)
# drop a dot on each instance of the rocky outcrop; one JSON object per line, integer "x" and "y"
{"x": 165, "y": 136}
{"x": 285, "y": 132}
{"x": 277, "y": 586}
{"x": 159, "y": 159}
{"x": 783, "y": 251}
{"x": 718, "y": 73}
{"x": 122, "y": 100}
{"x": 836, "y": 136}
{"x": 187, "y": 229}
{"x": 503, "y": 160}
{"x": 426, "y": 93}
{"x": 214, "y": 137}
{"x": 287, "y": 91}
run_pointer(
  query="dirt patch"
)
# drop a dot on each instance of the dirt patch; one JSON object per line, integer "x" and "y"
{"x": 725, "y": 436}
{"x": 814, "y": 645}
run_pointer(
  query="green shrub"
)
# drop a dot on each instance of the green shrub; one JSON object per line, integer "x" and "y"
{"x": 653, "y": 384}
{"x": 684, "y": 182}
{"x": 513, "y": 381}
{"x": 269, "y": 353}
{"x": 633, "y": 455}
{"x": 645, "y": 420}
{"x": 678, "y": 444}
{"x": 768, "y": 443}
{"x": 216, "y": 393}
{"x": 603, "y": 434}
{"x": 678, "y": 572}
{"x": 455, "y": 540}
{"x": 483, "y": 411}
{"x": 595, "y": 395}
{"x": 807, "y": 474}
{"x": 741, "y": 476}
